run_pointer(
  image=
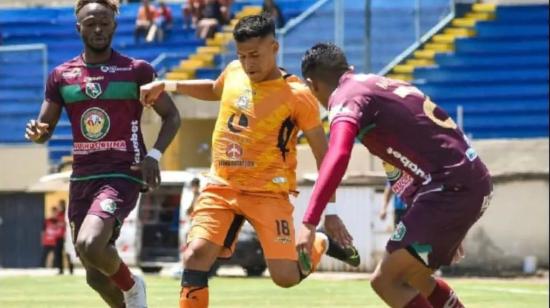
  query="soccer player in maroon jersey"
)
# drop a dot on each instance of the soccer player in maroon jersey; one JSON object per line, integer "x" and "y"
{"x": 436, "y": 172}
{"x": 99, "y": 89}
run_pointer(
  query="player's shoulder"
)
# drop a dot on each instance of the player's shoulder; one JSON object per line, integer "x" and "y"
{"x": 127, "y": 61}
{"x": 69, "y": 67}
{"x": 234, "y": 66}
{"x": 298, "y": 87}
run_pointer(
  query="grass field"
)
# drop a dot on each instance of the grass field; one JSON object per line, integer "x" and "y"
{"x": 72, "y": 291}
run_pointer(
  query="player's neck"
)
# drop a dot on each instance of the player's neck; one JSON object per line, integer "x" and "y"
{"x": 93, "y": 57}
{"x": 275, "y": 74}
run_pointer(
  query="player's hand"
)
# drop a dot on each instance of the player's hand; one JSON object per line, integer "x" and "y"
{"x": 383, "y": 214}
{"x": 306, "y": 236}
{"x": 149, "y": 93}
{"x": 459, "y": 254}
{"x": 150, "y": 172}
{"x": 35, "y": 130}
{"x": 336, "y": 229}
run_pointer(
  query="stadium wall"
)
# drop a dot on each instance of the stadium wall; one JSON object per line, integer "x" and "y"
{"x": 21, "y": 166}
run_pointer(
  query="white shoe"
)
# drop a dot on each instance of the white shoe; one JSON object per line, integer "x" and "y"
{"x": 136, "y": 297}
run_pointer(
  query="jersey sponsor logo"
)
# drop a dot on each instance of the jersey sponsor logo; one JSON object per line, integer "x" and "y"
{"x": 243, "y": 102}
{"x": 408, "y": 164}
{"x": 83, "y": 148}
{"x": 234, "y": 151}
{"x": 283, "y": 239}
{"x": 95, "y": 124}
{"x": 92, "y": 79}
{"x": 279, "y": 180}
{"x": 72, "y": 73}
{"x": 108, "y": 206}
{"x": 134, "y": 138}
{"x": 93, "y": 89}
{"x": 113, "y": 69}
{"x": 399, "y": 233}
{"x": 340, "y": 110}
{"x": 402, "y": 183}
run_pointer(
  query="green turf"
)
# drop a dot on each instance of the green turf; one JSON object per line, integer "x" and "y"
{"x": 66, "y": 291}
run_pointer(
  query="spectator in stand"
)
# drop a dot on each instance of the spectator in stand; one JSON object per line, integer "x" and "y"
{"x": 211, "y": 18}
{"x": 145, "y": 21}
{"x": 225, "y": 7}
{"x": 163, "y": 21}
{"x": 49, "y": 235}
{"x": 191, "y": 12}
{"x": 59, "y": 252}
{"x": 271, "y": 9}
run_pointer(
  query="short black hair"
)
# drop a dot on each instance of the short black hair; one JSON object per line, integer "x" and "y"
{"x": 324, "y": 60}
{"x": 253, "y": 26}
{"x": 112, "y": 4}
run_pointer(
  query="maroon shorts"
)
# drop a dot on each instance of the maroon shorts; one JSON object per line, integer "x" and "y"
{"x": 105, "y": 198}
{"x": 438, "y": 219}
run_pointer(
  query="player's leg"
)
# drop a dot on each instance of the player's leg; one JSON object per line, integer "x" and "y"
{"x": 213, "y": 232}
{"x": 113, "y": 200}
{"x": 389, "y": 280}
{"x": 104, "y": 286}
{"x": 77, "y": 211}
{"x": 271, "y": 217}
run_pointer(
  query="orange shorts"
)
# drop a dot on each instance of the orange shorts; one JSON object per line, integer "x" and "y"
{"x": 220, "y": 211}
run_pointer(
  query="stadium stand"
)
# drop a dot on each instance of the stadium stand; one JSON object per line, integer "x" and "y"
{"x": 21, "y": 74}
{"x": 494, "y": 63}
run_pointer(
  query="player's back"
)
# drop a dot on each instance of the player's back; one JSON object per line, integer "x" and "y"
{"x": 400, "y": 124}
{"x": 254, "y": 141}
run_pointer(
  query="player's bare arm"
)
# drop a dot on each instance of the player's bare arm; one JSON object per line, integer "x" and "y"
{"x": 203, "y": 89}
{"x": 40, "y": 130}
{"x": 171, "y": 121}
{"x": 333, "y": 224}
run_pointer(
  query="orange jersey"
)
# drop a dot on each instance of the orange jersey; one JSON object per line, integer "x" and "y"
{"x": 254, "y": 141}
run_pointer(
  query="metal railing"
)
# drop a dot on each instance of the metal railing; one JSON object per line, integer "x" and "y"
{"x": 375, "y": 34}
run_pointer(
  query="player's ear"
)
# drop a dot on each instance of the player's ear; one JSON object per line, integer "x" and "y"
{"x": 275, "y": 46}
{"x": 78, "y": 27}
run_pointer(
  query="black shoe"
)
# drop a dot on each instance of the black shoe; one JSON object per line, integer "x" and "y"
{"x": 348, "y": 255}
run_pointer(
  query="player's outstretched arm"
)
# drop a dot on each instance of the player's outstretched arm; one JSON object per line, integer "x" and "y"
{"x": 171, "y": 121}
{"x": 332, "y": 169}
{"x": 40, "y": 130}
{"x": 202, "y": 89}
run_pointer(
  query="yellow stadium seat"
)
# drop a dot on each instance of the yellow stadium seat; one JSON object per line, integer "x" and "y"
{"x": 439, "y": 47}
{"x": 444, "y": 38}
{"x": 404, "y": 77}
{"x": 464, "y": 22}
{"x": 484, "y": 7}
{"x": 420, "y": 62}
{"x": 425, "y": 54}
{"x": 460, "y": 32}
{"x": 403, "y": 69}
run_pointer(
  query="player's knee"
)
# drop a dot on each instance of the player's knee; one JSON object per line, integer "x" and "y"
{"x": 285, "y": 279}
{"x": 378, "y": 282}
{"x": 199, "y": 256}
{"x": 88, "y": 248}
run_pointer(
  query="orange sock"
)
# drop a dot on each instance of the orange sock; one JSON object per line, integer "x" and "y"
{"x": 320, "y": 246}
{"x": 194, "y": 297}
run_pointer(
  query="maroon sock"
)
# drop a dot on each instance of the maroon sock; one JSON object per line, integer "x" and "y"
{"x": 418, "y": 301}
{"x": 444, "y": 296}
{"x": 123, "y": 278}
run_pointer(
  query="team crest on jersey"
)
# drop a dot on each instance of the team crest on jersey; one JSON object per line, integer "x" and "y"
{"x": 108, "y": 205}
{"x": 95, "y": 123}
{"x": 234, "y": 151}
{"x": 243, "y": 102}
{"x": 392, "y": 172}
{"x": 399, "y": 232}
{"x": 93, "y": 89}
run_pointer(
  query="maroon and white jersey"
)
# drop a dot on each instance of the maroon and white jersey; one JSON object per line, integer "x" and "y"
{"x": 402, "y": 126}
{"x": 102, "y": 102}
